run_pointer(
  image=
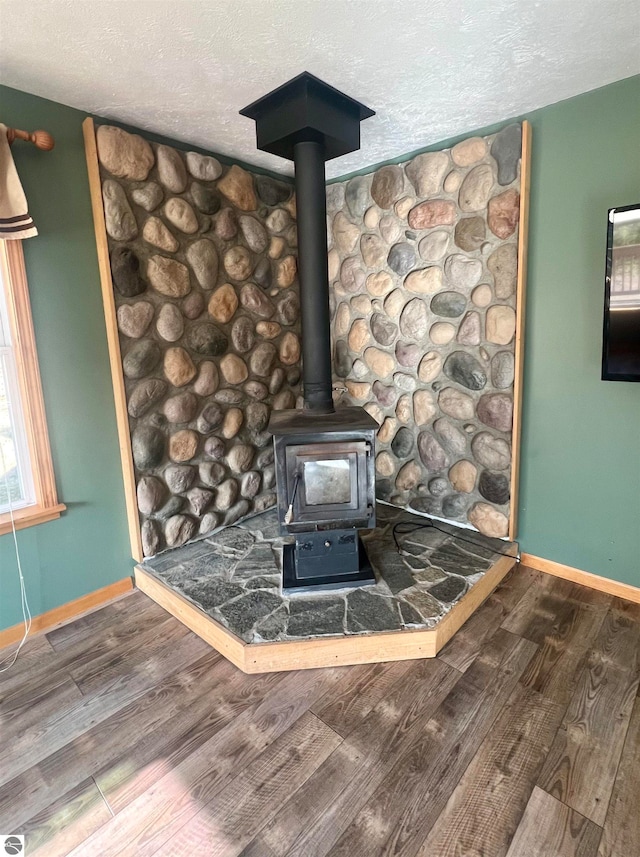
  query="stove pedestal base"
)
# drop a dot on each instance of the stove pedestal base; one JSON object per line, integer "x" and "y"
{"x": 296, "y": 579}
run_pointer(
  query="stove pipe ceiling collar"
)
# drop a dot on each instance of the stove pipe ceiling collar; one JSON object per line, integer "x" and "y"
{"x": 309, "y": 122}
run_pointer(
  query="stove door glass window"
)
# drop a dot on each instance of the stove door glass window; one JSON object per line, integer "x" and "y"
{"x": 327, "y": 482}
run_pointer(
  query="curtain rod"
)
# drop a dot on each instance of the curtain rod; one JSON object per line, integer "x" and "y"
{"x": 41, "y": 139}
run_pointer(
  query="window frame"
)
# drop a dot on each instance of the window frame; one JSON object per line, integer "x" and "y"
{"x": 45, "y": 506}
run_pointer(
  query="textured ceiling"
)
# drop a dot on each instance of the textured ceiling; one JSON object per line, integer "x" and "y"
{"x": 431, "y": 69}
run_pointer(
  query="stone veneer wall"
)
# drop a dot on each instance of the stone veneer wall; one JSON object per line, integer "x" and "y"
{"x": 423, "y": 266}
{"x": 203, "y": 263}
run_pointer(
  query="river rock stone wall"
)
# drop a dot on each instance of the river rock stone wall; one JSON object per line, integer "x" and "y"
{"x": 203, "y": 262}
{"x": 423, "y": 266}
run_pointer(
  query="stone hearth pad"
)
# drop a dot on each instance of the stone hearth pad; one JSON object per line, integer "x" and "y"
{"x": 234, "y": 577}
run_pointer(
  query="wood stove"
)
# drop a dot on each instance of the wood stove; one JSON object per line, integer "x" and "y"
{"x": 326, "y": 493}
{"x": 324, "y": 457}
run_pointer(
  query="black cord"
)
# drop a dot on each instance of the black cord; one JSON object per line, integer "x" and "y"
{"x": 428, "y": 525}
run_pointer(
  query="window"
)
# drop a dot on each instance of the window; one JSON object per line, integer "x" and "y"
{"x": 27, "y": 485}
{"x": 16, "y": 482}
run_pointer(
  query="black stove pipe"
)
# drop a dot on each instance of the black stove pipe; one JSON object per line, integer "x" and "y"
{"x": 309, "y": 158}
{"x": 309, "y": 122}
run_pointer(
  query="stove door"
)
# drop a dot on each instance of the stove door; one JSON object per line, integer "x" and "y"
{"x": 327, "y": 482}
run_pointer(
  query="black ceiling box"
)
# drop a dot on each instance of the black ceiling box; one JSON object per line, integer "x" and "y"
{"x": 305, "y": 108}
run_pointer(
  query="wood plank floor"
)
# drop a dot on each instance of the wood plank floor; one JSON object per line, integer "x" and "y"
{"x": 124, "y": 734}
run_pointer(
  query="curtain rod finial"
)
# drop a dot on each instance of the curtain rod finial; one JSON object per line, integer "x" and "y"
{"x": 41, "y": 139}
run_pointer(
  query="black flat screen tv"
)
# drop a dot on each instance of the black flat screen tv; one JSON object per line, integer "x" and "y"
{"x": 621, "y": 339}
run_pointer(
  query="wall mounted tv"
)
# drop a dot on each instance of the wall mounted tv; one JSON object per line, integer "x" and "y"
{"x": 621, "y": 343}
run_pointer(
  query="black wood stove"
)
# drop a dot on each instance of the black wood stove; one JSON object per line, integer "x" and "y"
{"x": 326, "y": 492}
{"x": 324, "y": 456}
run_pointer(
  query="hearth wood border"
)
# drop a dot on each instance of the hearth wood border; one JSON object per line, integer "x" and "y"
{"x": 113, "y": 341}
{"x": 521, "y": 283}
{"x": 347, "y": 650}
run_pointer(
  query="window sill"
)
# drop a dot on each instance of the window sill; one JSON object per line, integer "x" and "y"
{"x": 30, "y": 516}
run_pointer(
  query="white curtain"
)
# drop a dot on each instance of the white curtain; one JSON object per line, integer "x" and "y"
{"x": 15, "y": 220}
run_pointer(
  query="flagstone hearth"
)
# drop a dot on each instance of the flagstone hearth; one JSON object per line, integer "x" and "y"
{"x": 226, "y": 587}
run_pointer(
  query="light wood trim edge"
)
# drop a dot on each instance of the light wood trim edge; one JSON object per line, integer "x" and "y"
{"x": 585, "y": 578}
{"x": 195, "y": 619}
{"x": 29, "y": 381}
{"x": 29, "y": 517}
{"x": 523, "y": 245}
{"x": 113, "y": 341}
{"x": 68, "y": 612}
{"x": 467, "y": 605}
{"x": 373, "y": 648}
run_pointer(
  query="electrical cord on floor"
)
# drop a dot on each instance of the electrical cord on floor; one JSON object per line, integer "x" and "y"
{"x": 26, "y": 612}
{"x": 429, "y": 525}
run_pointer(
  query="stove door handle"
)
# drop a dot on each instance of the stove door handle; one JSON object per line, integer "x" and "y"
{"x": 288, "y": 518}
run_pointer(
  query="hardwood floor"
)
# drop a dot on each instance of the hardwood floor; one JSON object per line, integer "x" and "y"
{"x": 124, "y": 734}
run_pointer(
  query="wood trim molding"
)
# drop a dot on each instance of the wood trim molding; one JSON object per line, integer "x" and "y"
{"x": 67, "y": 612}
{"x": 23, "y": 337}
{"x": 585, "y": 578}
{"x": 29, "y": 517}
{"x": 115, "y": 358}
{"x": 523, "y": 245}
{"x": 280, "y": 656}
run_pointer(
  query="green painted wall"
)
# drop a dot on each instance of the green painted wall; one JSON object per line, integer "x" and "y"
{"x": 88, "y": 547}
{"x": 580, "y": 486}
